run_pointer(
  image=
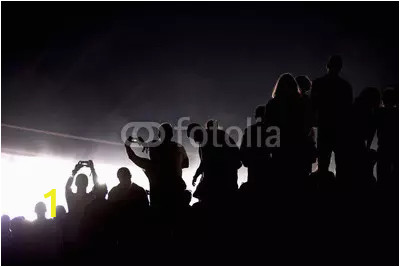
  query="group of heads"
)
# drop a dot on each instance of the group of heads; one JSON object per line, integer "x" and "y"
{"x": 372, "y": 99}
{"x": 287, "y": 86}
{"x": 100, "y": 191}
{"x": 41, "y": 209}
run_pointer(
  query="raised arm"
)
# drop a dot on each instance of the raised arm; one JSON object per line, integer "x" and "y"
{"x": 370, "y": 135}
{"x": 68, "y": 189}
{"x": 71, "y": 178}
{"x": 140, "y": 162}
{"x": 94, "y": 174}
{"x": 185, "y": 161}
{"x": 200, "y": 169}
{"x": 315, "y": 101}
{"x": 244, "y": 148}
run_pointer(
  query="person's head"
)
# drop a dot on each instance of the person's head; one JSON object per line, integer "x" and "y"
{"x": 5, "y": 223}
{"x": 60, "y": 212}
{"x": 370, "y": 98}
{"x": 167, "y": 131}
{"x": 334, "y": 64}
{"x": 389, "y": 97}
{"x": 40, "y": 210}
{"x": 100, "y": 191}
{"x": 286, "y": 87}
{"x": 259, "y": 113}
{"x": 304, "y": 83}
{"x": 81, "y": 181}
{"x": 195, "y": 132}
{"x": 124, "y": 176}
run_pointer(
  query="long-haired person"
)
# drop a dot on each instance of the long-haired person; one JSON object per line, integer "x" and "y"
{"x": 284, "y": 116}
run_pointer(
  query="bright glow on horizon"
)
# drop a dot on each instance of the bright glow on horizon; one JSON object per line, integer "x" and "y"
{"x": 25, "y": 180}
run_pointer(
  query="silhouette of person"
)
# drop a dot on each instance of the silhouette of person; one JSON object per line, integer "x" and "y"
{"x": 60, "y": 224}
{"x": 40, "y": 210}
{"x": 77, "y": 201}
{"x": 6, "y": 239}
{"x": 254, "y": 152}
{"x": 195, "y": 132}
{"x": 305, "y": 84}
{"x": 210, "y": 126}
{"x": 99, "y": 203}
{"x": 332, "y": 99}
{"x": 128, "y": 204}
{"x": 21, "y": 239}
{"x": 60, "y": 213}
{"x": 41, "y": 225}
{"x": 219, "y": 162}
{"x": 42, "y": 235}
{"x": 126, "y": 190}
{"x": 5, "y": 230}
{"x": 18, "y": 227}
{"x": 364, "y": 126}
{"x": 286, "y": 112}
{"x": 95, "y": 224}
{"x": 388, "y": 142}
{"x": 163, "y": 168}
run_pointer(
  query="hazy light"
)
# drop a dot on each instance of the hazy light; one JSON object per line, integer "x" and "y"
{"x": 25, "y": 180}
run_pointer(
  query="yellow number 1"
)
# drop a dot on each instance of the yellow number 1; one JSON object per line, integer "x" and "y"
{"x": 52, "y": 194}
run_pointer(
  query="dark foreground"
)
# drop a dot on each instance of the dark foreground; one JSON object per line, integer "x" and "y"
{"x": 324, "y": 226}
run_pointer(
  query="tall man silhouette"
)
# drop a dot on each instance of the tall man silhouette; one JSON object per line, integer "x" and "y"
{"x": 332, "y": 99}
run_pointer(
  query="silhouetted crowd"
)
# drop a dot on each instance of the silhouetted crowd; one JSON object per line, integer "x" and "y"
{"x": 285, "y": 214}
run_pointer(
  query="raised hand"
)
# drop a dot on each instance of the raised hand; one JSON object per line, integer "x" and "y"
{"x": 194, "y": 180}
{"x": 90, "y": 164}
{"x": 77, "y": 168}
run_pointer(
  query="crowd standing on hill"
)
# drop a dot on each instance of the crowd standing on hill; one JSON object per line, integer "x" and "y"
{"x": 284, "y": 214}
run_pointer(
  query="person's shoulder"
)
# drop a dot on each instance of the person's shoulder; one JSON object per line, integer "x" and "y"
{"x": 169, "y": 145}
{"x": 113, "y": 190}
{"x": 179, "y": 147}
{"x": 136, "y": 187}
{"x": 137, "y": 190}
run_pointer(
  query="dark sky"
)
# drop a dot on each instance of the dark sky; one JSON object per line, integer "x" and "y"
{"x": 87, "y": 68}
